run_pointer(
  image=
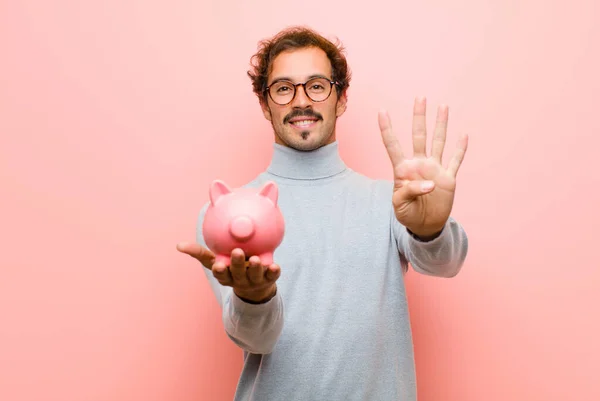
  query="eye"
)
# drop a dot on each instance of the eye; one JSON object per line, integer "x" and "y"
{"x": 318, "y": 85}
{"x": 283, "y": 88}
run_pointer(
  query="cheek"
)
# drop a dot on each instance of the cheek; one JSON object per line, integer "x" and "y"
{"x": 329, "y": 113}
{"x": 278, "y": 115}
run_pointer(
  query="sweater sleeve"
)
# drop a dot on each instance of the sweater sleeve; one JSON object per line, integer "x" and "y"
{"x": 443, "y": 256}
{"x": 253, "y": 327}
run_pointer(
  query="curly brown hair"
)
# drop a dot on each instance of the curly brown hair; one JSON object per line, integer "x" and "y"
{"x": 296, "y": 37}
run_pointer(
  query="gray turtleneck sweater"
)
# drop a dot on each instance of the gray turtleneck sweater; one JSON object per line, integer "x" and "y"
{"x": 338, "y": 328}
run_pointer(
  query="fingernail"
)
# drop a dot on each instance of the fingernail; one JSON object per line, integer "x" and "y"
{"x": 426, "y": 186}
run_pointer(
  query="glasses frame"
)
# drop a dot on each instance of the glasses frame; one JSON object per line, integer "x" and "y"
{"x": 303, "y": 85}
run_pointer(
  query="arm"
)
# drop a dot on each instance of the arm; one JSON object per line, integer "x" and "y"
{"x": 423, "y": 196}
{"x": 253, "y": 327}
{"x": 254, "y": 323}
{"x": 442, "y": 256}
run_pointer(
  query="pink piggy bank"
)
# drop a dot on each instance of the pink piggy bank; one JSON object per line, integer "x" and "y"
{"x": 245, "y": 218}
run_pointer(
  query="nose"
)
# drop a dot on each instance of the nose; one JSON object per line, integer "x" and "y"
{"x": 301, "y": 100}
{"x": 241, "y": 228}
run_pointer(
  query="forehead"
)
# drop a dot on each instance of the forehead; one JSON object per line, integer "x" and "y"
{"x": 299, "y": 64}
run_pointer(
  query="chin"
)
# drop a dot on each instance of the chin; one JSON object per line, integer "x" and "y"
{"x": 305, "y": 140}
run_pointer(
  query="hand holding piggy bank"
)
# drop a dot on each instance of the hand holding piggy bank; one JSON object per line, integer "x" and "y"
{"x": 245, "y": 218}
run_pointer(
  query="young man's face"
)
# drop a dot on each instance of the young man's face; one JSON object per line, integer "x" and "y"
{"x": 303, "y": 124}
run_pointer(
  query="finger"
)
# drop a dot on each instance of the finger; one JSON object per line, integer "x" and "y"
{"x": 410, "y": 169}
{"x": 439, "y": 136}
{"x": 273, "y": 272}
{"x": 256, "y": 272}
{"x": 222, "y": 274}
{"x": 202, "y": 254}
{"x": 459, "y": 155}
{"x": 238, "y": 267}
{"x": 419, "y": 127}
{"x": 389, "y": 139}
{"x": 412, "y": 190}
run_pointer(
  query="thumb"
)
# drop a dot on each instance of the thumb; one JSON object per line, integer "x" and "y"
{"x": 202, "y": 254}
{"x": 412, "y": 190}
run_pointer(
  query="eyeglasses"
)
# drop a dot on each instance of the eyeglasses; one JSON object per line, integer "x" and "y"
{"x": 317, "y": 90}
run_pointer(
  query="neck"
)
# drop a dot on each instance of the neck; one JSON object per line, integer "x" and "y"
{"x": 306, "y": 165}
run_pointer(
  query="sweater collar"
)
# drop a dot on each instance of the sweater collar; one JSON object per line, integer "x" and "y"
{"x": 306, "y": 165}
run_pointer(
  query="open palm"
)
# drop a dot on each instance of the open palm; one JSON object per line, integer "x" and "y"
{"x": 423, "y": 189}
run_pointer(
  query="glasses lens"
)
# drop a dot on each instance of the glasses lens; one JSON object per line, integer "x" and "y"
{"x": 318, "y": 89}
{"x": 282, "y": 92}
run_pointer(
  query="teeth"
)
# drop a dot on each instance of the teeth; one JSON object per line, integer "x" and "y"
{"x": 303, "y": 122}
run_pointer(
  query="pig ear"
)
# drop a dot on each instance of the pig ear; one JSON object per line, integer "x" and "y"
{"x": 217, "y": 189}
{"x": 270, "y": 191}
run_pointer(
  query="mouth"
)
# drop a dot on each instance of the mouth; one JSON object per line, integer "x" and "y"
{"x": 303, "y": 123}
{"x": 303, "y": 119}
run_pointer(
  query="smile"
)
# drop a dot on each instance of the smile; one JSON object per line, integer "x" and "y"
{"x": 303, "y": 123}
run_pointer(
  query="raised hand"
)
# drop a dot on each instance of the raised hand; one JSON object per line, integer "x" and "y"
{"x": 423, "y": 189}
{"x": 250, "y": 281}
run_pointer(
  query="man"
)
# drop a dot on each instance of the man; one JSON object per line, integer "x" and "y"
{"x": 328, "y": 320}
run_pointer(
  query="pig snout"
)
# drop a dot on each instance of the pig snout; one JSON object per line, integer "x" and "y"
{"x": 241, "y": 228}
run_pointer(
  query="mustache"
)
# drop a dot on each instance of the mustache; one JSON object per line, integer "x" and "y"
{"x": 302, "y": 113}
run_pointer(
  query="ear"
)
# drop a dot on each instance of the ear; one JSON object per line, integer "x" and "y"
{"x": 266, "y": 111}
{"x": 269, "y": 190}
{"x": 217, "y": 189}
{"x": 340, "y": 107}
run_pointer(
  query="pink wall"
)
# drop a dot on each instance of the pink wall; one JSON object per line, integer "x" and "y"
{"x": 116, "y": 115}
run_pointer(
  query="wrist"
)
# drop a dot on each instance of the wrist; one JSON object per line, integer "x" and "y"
{"x": 425, "y": 236}
{"x": 257, "y": 297}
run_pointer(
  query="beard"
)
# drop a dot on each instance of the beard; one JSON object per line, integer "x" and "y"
{"x": 305, "y": 140}
{"x": 302, "y": 140}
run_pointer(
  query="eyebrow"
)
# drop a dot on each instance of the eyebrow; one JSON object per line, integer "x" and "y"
{"x": 291, "y": 80}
